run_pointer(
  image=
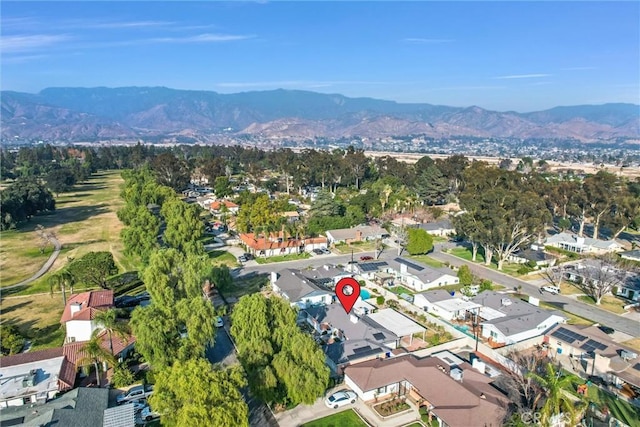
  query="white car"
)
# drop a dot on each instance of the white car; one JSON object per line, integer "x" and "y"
{"x": 147, "y": 414}
{"x": 219, "y": 323}
{"x": 138, "y": 406}
{"x": 551, "y": 289}
{"x": 340, "y": 398}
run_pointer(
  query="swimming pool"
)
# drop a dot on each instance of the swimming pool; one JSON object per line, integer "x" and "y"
{"x": 364, "y": 294}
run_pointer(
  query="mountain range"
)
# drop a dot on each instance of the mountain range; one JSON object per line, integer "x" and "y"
{"x": 99, "y": 114}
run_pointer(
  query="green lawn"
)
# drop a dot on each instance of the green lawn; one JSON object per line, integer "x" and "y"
{"x": 608, "y": 302}
{"x": 572, "y": 319}
{"x": 507, "y": 268}
{"x": 400, "y": 290}
{"x": 356, "y": 247}
{"x": 426, "y": 259}
{"x": 282, "y": 258}
{"x": 246, "y": 286}
{"x": 342, "y": 419}
{"x": 223, "y": 257}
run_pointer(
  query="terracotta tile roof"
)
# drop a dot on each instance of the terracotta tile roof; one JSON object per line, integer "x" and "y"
{"x": 216, "y": 205}
{"x": 261, "y": 243}
{"x": 90, "y": 302}
{"x": 75, "y": 353}
{"x": 67, "y": 375}
{"x": 30, "y": 357}
{"x": 459, "y": 404}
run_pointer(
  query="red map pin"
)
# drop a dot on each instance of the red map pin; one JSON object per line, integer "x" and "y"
{"x": 348, "y": 291}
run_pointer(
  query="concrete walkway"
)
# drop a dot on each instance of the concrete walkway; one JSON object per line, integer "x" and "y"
{"x": 47, "y": 265}
{"x": 304, "y": 413}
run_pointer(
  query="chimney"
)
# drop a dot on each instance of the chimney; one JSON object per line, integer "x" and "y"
{"x": 353, "y": 318}
{"x": 456, "y": 374}
{"x": 358, "y": 235}
{"x": 479, "y": 365}
{"x": 326, "y": 267}
{"x": 274, "y": 277}
{"x": 403, "y": 268}
{"x": 75, "y": 307}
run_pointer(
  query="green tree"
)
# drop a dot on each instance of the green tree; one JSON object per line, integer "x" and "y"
{"x": 601, "y": 189}
{"x": 11, "y": 341}
{"x": 556, "y": 401}
{"x": 171, "y": 171}
{"x": 60, "y": 180}
{"x": 96, "y": 355}
{"x": 465, "y": 275}
{"x": 221, "y": 277}
{"x": 93, "y": 268}
{"x": 109, "y": 321}
{"x": 222, "y": 187}
{"x": 195, "y": 393}
{"x": 184, "y": 227}
{"x": 431, "y": 185}
{"x": 122, "y": 375}
{"x": 140, "y": 238}
{"x": 418, "y": 241}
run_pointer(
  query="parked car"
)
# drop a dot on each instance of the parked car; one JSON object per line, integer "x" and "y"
{"x": 325, "y": 251}
{"x": 126, "y": 301}
{"x": 366, "y": 258}
{"x": 551, "y": 289}
{"x": 219, "y": 323}
{"x": 138, "y": 405}
{"x": 147, "y": 414}
{"x": 317, "y": 252}
{"x": 606, "y": 329}
{"x": 340, "y": 398}
{"x": 134, "y": 394}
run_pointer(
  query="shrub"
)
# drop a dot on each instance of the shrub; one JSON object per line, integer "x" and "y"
{"x": 122, "y": 376}
{"x": 362, "y": 283}
{"x": 380, "y": 300}
{"x": 524, "y": 269}
{"x": 393, "y": 303}
{"x": 486, "y": 285}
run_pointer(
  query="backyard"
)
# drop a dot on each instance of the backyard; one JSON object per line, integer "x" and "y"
{"x": 341, "y": 419}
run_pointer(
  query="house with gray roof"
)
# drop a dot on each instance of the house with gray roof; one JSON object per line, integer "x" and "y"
{"x": 625, "y": 283}
{"x": 418, "y": 276}
{"x": 633, "y": 255}
{"x": 534, "y": 254}
{"x": 348, "y": 338}
{"x": 359, "y": 233}
{"x": 444, "y": 305}
{"x": 442, "y": 227}
{"x": 326, "y": 275}
{"x": 298, "y": 289}
{"x": 574, "y": 243}
{"x": 507, "y": 320}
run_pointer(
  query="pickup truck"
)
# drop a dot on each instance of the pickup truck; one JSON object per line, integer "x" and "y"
{"x": 134, "y": 393}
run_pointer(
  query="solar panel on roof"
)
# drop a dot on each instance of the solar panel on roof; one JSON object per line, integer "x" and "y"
{"x": 567, "y": 335}
{"x": 379, "y": 336}
{"x": 372, "y": 266}
{"x": 409, "y": 264}
{"x": 636, "y": 366}
{"x": 361, "y": 349}
{"x": 593, "y": 345}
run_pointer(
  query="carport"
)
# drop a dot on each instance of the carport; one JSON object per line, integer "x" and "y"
{"x": 398, "y": 323}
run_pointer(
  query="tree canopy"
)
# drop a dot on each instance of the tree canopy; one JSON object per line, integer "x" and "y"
{"x": 94, "y": 268}
{"x": 418, "y": 241}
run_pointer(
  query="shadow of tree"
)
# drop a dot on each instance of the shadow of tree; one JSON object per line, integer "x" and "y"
{"x": 64, "y": 216}
{"x": 8, "y": 308}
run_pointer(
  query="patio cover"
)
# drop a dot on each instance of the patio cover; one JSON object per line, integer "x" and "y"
{"x": 397, "y": 323}
{"x": 488, "y": 313}
{"x": 457, "y": 304}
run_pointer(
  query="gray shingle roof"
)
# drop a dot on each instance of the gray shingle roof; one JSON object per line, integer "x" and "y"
{"x": 436, "y": 295}
{"x": 427, "y": 274}
{"x": 295, "y": 285}
{"x": 442, "y": 224}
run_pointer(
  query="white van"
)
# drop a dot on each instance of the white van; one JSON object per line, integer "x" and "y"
{"x": 551, "y": 289}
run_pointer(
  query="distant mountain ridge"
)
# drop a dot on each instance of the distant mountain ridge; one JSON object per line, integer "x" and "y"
{"x": 90, "y": 114}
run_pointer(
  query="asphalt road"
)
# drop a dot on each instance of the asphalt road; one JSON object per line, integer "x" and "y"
{"x": 623, "y": 324}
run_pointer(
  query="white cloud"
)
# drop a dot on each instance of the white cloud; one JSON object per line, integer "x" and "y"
{"x": 22, "y": 43}
{"x": 523, "y": 76}
{"x": 418, "y": 40}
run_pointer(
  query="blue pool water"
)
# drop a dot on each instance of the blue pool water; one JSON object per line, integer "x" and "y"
{"x": 364, "y": 294}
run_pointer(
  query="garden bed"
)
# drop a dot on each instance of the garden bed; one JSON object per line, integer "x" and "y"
{"x": 391, "y": 407}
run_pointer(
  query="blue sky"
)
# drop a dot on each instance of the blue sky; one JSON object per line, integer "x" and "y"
{"x": 521, "y": 56}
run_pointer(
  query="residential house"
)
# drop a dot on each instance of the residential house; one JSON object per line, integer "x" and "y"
{"x": 441, "y": 228}
{"x": 292, "y": 216}
{"x": 205, "y": 201}
{"x": 80, "y": 312}
{"x": 397, "y": 323}
{"x": 80, "y": 407}
{"x": 349, "y": 338}
{"x": 122, "y": 346}
{"x": 359, "y": 233}
{"x": 534, "y": 254}
{"x": 574, "y": 243}
{"x": 507, "y": 320}
{"x": 457, "y": 396}
{"x": 596, "y": 273}
{"x": 593, "y": 352}
{"x": 34, "y": 377}
{"x": 633, "y": 255}
{"x": 326, "y": 275}
{"x": 298, "y": 289}
{"x": 277, "y": 244}
{"x": 404, "y": 221}
{"x": 215, "y": 207}
{"x": 418, "y": 276}
{"x": 444, "y": 305}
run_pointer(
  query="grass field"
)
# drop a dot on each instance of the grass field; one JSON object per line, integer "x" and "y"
{"x": 426, "y": 259}
{"x": 507, "y": 268}
{"x": 343, "y": 248}
{"x": 84, "y": 220}
{"x": 223, "y": 258}
{"x": 37, "y": 317}
{"x": 608, "y": 302}
{"x": 341, "y": 419}
{"x": 634, "y": 343}
{"x": 282, "y": 258}
{"x": 401, "y": 290}
{"x": 246, "y": 286}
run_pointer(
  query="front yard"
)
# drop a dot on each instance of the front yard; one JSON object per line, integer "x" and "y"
{"x": 608, "y": 302}
{"x": 341, "y": 419}
{"x": 343, "y": 248}
{"x": 283, "y": 258}
{"x": 246, "y": 286}
{"x": 391, "y": 407}
{"x": 218, "y": 258}
{"x": 426, "y": 259}
{"x": 507, "y": 268}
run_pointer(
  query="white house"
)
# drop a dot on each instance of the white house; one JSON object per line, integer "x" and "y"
{"x": 359, "y": 233}
{"x": 34, "y": 377}
{"x": 299, "y": 290}
{"x": 444, "y": 305}
{"x": 417, "y": 276}
{"x": 278, "y": 244}
{"x": 80, "y": 312}
{"x": 575, "y": 243}
{"x": 441, "y": 228}
{"x": 507, "y": 321}
{"x": 627, "y": 283}
{"x": 534, "y": 254}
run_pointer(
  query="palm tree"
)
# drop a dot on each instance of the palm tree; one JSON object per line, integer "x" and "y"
{"x": 554, "y": 388}
{"x": 109, "y": 322}
{"x": 94, "y": 353}
{"x": 61, "y": 280}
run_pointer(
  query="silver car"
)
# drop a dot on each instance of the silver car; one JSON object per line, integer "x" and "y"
{"x": 340, "y": 398}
